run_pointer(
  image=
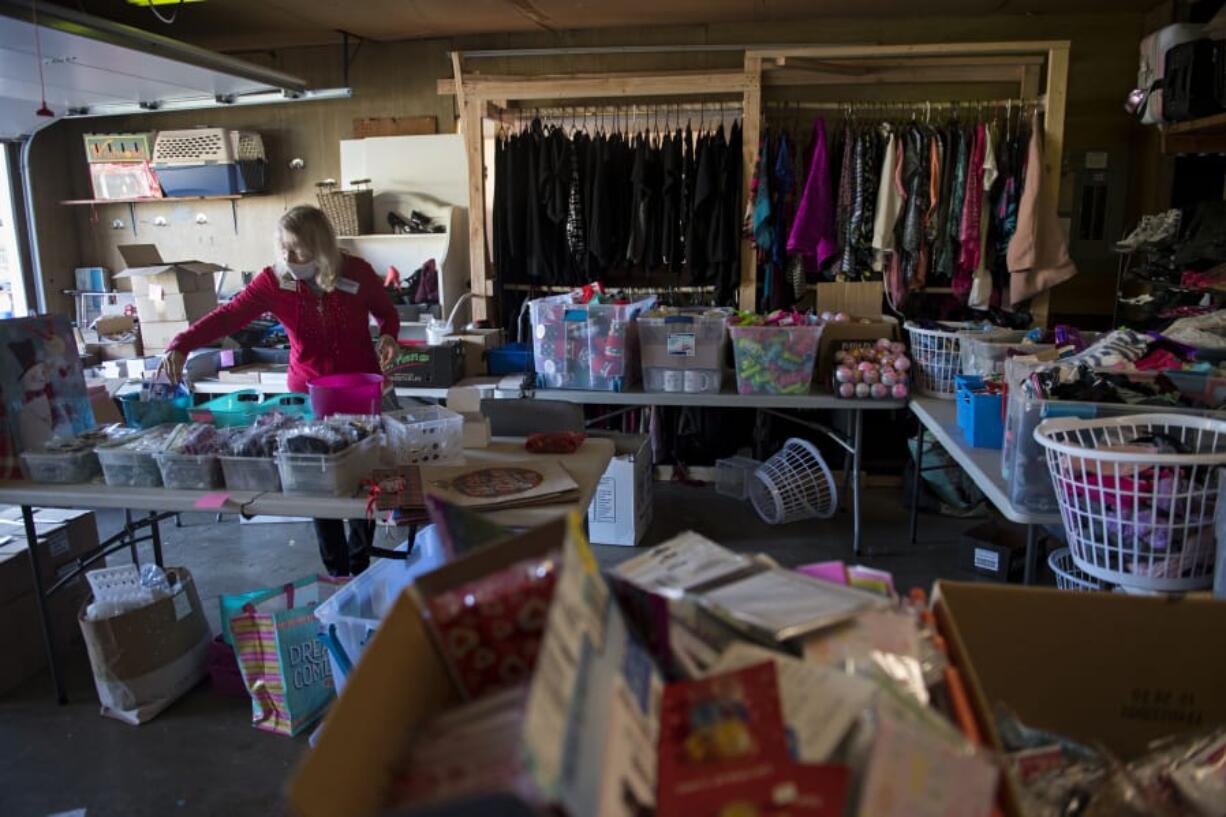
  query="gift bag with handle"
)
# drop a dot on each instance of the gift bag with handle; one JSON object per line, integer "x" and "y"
{"x": 284, "y": 665}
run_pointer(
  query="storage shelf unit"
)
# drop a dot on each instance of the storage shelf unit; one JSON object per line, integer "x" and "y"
{"x": 151, "y": 200}
{"x": 1204, "y": 135}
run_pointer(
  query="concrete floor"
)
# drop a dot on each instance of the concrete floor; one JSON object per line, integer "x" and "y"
{"x": 203, "y": 757}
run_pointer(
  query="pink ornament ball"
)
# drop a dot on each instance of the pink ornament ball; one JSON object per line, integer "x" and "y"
{"x": 847, "y": 390}
{"x": 872, "y": 376}
{"x": 888, "y": 378}
{"x": 840, "y": 356}
{"x": 827, "y": 316}
{"x": 898, "y": 347}
{"x": 900, "y": 391}
{"x": 883, "y": 344}
{"x": 862, "y": 390}
{"x": 844, "y": 374}
{"x": 879, "y": 391}
{"x": 902, "y": 364}
{"x": 866, "y": 366}
{"x": 842, "y": 317}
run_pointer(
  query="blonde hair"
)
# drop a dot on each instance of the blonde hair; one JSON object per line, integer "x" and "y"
{"x": 307, "y": 230}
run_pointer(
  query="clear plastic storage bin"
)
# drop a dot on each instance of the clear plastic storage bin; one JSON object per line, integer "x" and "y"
{"x": 732, "y": 476}
{"x": 423, "y": 435}
{"x": 62, "y": 467}
{"x": 134, "y": 464}
{"x": 329, "y": 474}
{"x": 585, "y": 346}
{"x": 986, "y": 354}
{"x": 774, "y": 359}
{"x": 189, "y": 472}
{"x": 684, "y": 352}
{"x": 352, "y": 615}
{"x": 251, "y": 473}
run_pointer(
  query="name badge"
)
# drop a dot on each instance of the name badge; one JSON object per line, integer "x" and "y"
{"x": 347, "y": 285}
{"x": 288, "y": 283}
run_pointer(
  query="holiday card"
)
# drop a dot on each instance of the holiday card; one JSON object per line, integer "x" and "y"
{"x": 42, "y": 388}
{"x": 506, "y": 485}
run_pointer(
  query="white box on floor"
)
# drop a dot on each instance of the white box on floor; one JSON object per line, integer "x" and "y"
{"x": 621, "y": 510}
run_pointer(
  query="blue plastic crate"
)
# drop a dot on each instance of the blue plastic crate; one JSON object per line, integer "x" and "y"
{"x": 967, "y": 381}
{"x": 979, "y": 415}
{"x": 199, "y": 180}
{"x": 510, "y": 358}
{"x": 238, "y": 408}
{"x": 293, "y": 404}
{"x": 147, "y": 413}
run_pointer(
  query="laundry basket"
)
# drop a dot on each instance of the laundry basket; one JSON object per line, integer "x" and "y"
{"x": 1137, "y": 496}
{"x": 794, "y": 484}
{"x": 937, "y": 356}
{"x": 1068, "y": 576}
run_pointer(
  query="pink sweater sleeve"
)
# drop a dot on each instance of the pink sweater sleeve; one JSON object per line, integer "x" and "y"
{"x": 251, "y": 303}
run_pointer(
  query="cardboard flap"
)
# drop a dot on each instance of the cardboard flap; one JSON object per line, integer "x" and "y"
{"x": 140, "y": 255}
{"x": 108, "y": 325}
{"x": 144, "y": 259}
{"x": 862, "y": 299}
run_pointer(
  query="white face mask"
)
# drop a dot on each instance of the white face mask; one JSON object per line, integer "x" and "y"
{"x": 303, "y": 272}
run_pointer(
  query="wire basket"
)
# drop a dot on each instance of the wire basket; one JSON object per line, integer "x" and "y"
{"x": 937, "y": 356}
{"x": 1068, "y": 576}
{"x": 794, "y": 484}
{"x": 352, "y": 212}
{"x": 1137, "y": 496}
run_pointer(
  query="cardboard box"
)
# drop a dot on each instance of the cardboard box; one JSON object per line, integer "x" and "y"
{"x": 621, "y": 509}
{"x": 187, "y": 306}
{"x": 21, "y": 639}
{"x": 157, "y": 336}
{"x": 1101, "y": 668}
{"x": 63, "y": 536}
{"x": 995, "y": 549}
{"x": 424, "y": 366}
{"x": 103, "y": 404}
{"x": 109, "y": 351}
{"x": 862, "y": 301}
{"x": 476, "y": 344}
{"x": 151, "y": 277}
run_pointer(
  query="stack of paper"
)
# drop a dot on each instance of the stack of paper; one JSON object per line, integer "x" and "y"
{"x": 505, "y": 485}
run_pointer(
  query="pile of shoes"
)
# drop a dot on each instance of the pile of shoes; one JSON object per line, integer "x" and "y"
{"x": 417, "y": 222}
{"x": 1154, "y": 231}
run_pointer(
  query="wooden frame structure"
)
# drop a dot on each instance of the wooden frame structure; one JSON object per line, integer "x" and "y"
{"x": 1034, "y": 67}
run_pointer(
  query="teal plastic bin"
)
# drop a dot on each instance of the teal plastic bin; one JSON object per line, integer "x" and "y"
{"x": 293, "y": 404}
{"x": 239, "y": 408}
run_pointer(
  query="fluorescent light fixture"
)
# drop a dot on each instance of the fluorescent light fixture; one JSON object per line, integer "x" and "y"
{"x": 203, "y": 103}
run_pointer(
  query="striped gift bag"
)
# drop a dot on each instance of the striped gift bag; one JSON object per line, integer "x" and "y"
{"x": 284, "y": 665}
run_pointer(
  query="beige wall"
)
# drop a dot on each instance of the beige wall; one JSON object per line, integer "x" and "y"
{"x": 398, "y": 79}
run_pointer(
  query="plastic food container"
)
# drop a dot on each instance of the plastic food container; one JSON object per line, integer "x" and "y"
{"x": 62, "y": 467}
{"x": 684, "y": 352}
{"x": 251, "y": 473}
{"x": 427, "y": 434}
{"x": 238, "y": 408}
{"x": 346, "y": 394}
{"x": 189, "y": 472}
{"x": 138, "y": 413}
{"x": 292, "y": 404}
{"x": 774, "y": 359}
{"x": 329, "y": 474}
{"x": 585, "y": 346}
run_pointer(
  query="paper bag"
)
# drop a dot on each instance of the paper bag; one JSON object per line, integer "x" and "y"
{"x": 145, "y": 659}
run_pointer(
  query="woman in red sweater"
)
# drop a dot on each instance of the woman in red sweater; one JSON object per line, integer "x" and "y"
{"x": 325, "y": 300}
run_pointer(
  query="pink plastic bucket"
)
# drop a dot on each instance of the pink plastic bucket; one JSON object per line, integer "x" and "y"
{"x": 346, "y": 394}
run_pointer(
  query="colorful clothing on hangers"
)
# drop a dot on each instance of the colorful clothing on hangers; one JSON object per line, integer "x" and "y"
{"x": 813, "y": 230}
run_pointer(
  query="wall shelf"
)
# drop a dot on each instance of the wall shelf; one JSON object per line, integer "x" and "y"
{"x": 1204, "y": 135}
{"x": 390, "y": 236}
{"x": 163, "y": 200}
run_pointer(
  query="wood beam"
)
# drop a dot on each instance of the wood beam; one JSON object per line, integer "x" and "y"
{"x": 912, "y": 50}
{"x": 597, "y": 86}
{"x": 470, "y": 127}
{"x": 900, "y": 76}
{"x": 751, "y": 109}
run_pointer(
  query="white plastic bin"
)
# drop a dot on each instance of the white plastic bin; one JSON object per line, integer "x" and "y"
{"x": 352, "y": 615}
{"x": 329, "y": 474}
{"x": 732, "y": 476}
{"x": 423, "y": 435}
{"x": 133, "y": 464}
{"x": 684, "y": 351}
{"x": 585, "y": 346}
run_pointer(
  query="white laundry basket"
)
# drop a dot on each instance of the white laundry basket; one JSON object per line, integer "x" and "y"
{"x": 1136, "y": 518}
{"x": 937, "y": 357}
{"x": 1068, "y": 575}
{"x": 794, "y": 484}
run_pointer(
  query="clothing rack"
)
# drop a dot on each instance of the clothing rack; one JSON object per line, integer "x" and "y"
{"x": 869, "y": 105}
{"x": 1037, "y": 69}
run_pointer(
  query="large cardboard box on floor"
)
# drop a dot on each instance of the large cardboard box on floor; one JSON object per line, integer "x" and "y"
{"x": 63, "y": 536}
{"x": 621, "y": 509}
{"x": 1101, "y": 668}
{"x": 860, "y": 300}
{"x": 153, "y": 278}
